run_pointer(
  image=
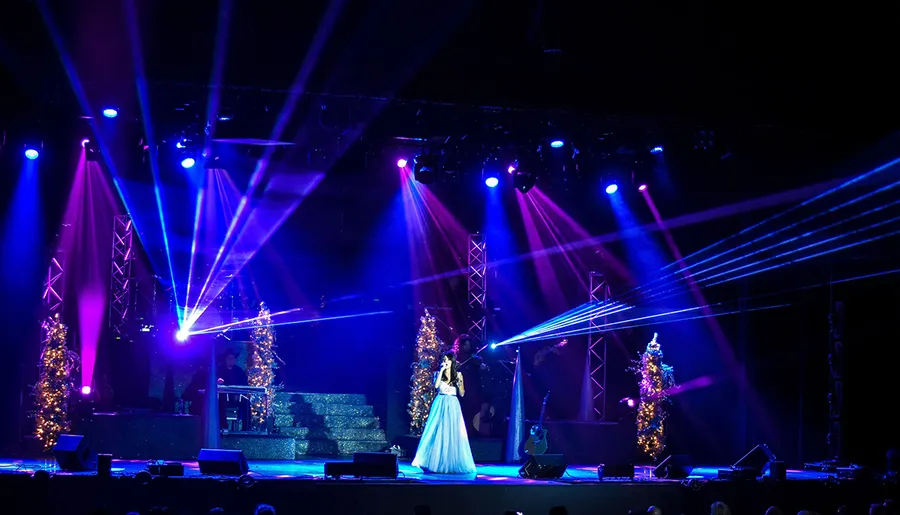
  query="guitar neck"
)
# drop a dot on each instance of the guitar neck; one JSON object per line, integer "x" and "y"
{"x": 543, "y": 410}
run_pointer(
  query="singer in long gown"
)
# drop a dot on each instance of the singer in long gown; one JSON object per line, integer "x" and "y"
{"x": 444, "y": 446}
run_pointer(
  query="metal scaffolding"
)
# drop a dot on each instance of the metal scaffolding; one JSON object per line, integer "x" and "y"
{"x": 54, "y": 285}
{"x": 835, "y": 381}
{"x": 599, "y": 295}
{"x": 477, "y": 287}
{"x": 121, "y": 283}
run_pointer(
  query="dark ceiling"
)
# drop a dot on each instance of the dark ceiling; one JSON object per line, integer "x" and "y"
{"x": 800, "y": 62}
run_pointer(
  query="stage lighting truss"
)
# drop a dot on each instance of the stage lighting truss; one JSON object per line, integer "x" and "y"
{"x": 599, "y": 294}
{"x": 54, "y": 285}
{"x": 120, "y": 283}
{"x": 477, "y": 288}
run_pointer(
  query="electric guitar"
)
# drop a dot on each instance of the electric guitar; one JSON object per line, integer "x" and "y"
{"x": 537, "y": 441}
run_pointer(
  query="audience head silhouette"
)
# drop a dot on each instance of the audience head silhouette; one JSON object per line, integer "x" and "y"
{"x": 774, "y": 510}
{"x": 719, "y": 508}
{"x": 654, "y": 510}
{"x": 264, "y": 509}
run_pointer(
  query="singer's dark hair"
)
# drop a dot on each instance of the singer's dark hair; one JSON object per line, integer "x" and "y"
{"x": 454, "y": 376}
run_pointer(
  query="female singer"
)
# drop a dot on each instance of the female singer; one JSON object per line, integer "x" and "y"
{"x": 444, "y": 446}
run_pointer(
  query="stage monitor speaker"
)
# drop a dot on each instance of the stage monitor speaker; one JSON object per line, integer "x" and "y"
{"x": 757, "y": 459}
{"x": 615, "y": 471}
{"x": 73, "y": 454}
{"x": 544, "y": 466}
{"x": 777, "y": 470}
{"x": 222, "y": 462}
{"x": 377, "y": 464}
{"x": 675, "y": 466}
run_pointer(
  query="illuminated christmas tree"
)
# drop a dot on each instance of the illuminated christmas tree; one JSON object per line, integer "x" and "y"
{"x": 421, "y": 391}
{"x": 51, "y": 393}
{"x": 655, "y": 379}
{"x": 262, "y": 365}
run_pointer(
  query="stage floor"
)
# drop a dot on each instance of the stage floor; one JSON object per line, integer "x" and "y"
{"x": 300, "y": 486}
{"x": 313, "y": 469}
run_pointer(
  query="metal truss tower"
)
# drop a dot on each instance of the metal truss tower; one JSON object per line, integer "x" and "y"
{"x": 54, "y": 285}
{"x": 835, "y": 380}
{"x": 597, "y": 336}
{"x": 477, "y": 287}
{"x": 121, "y": 283}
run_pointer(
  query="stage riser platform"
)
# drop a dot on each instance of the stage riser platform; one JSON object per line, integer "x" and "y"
{"x": 76, "y": 495}
{"x": 143, "y": 436}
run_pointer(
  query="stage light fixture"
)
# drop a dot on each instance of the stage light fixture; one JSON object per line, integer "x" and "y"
{"x": 425, "y": 168}
{"x": 401, "y": 163}
{"x": 31, "y": 153}
{"x": 612, "y": 188}
{"x": 109, "y": 112}
{"x": 181, "y": 336}
{"x": 642, "y": 187}
{"x": 84, "y": 142}
{"x": 557, "y": 143}
{"x": 511, "y": 169}
{"x": 656, "y": 150}
{"x": 524, "y": 181}
{"x": 188, "y": 161}
{"x": 85, "y": 390}
{"x": 491, "y": 172}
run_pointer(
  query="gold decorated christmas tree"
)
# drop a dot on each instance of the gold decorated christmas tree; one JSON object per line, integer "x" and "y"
{"x": 262, "y": 365}
{"x": 421, "y": 390}
{"x": 51, "y": 393}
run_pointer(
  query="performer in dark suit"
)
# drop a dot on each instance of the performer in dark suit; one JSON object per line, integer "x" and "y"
{"x": 229, "y": 374}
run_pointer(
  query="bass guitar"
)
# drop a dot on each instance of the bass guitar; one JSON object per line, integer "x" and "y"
{"x": 537, "y": 439}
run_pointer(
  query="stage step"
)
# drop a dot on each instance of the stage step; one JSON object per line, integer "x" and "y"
{"x": 336, "y": 422}
{"x": 336, "y": 447}
{"x": 320, "y": 398}
{"x": 319, "y": 424}
{"x": 323, "y": 433}
{"x": 262, "y": 447}
{"x": 345, "y": 410}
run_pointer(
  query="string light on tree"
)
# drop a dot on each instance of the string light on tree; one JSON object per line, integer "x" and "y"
{"x": 263, "y": 363}
{"x": 655, "y": 379}
{"x": 421, "y": 391}
{"x": 51, "y": 393}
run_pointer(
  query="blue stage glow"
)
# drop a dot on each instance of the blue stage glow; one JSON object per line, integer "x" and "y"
{"x": 31, "y": 154}
{"x": 188, "y": 162}
{"x": 110, "y": 112}
{"x": 491, "y": 182}
{"x": 612, "y": 188}
{"x": 556, "y": 143}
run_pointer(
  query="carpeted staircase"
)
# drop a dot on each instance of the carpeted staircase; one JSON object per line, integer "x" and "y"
{"x": 329, "y": 424}
{"x": 314, "y": 424}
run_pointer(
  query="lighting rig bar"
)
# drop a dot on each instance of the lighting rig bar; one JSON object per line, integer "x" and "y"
{"x": 121, "y": 282}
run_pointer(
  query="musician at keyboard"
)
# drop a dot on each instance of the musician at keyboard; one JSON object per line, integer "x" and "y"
{"x": 229, "y": 373}
{"x": 234, "y": 410}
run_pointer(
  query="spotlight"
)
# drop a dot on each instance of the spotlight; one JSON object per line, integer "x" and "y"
{"x": 612, "y": 188}
{"x": 110, "y": 112}
{"x": 557, "y": 143}
{"x": 181, "y": 336}
{"x": 642, "y": 187}
{"x": 401, "y": 163}
{"x": 31, "y": 154}
{"x": 656, "y": 150}
{"x": 188, "y": 162}
{"x": 493, "y": 345}
{"x": 491, "y": 172}
{"x": 425, "y": 168}
{"x": 84, "y": 142}
{"x": 85, "y": 390}
{"x": 511, "y": 169}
